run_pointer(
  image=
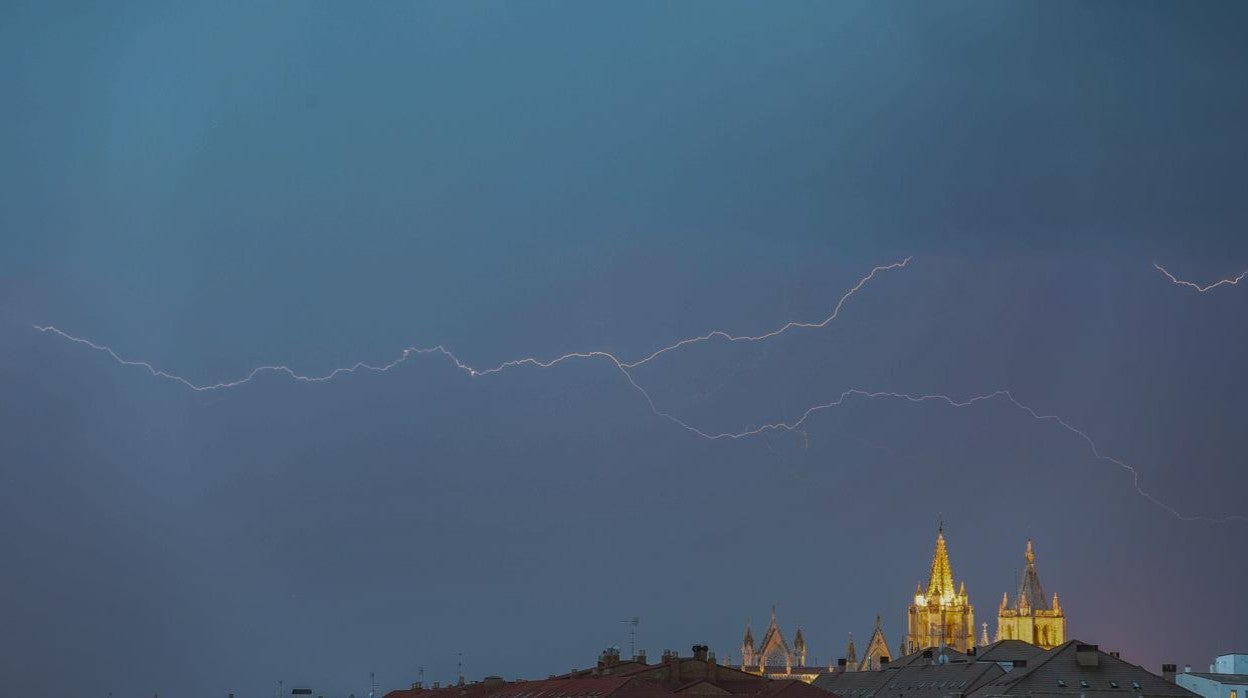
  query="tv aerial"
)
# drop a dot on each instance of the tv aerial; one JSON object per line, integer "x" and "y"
{"x": 632, "y": 634}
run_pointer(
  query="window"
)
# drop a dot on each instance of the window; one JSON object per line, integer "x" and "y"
{"x": 1234, "y": 693}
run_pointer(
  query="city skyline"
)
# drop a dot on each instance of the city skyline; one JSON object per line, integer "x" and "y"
{"x": 340, "y": 339}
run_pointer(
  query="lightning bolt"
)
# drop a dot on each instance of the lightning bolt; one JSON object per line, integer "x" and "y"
{"x": 796, "y": 426}
{"x": 1200, "y": 289}
{"x": 624, "y": 366}
{"x": 441, "y": 350}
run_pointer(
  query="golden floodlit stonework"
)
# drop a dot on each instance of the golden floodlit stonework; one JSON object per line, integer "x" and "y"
{"x": 1031, "y": 617}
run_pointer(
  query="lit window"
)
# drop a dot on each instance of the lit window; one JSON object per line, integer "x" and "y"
{"x": 1234, "y": 694}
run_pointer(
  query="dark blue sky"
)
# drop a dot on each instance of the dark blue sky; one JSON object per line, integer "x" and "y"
{"x": 214, "y": 186}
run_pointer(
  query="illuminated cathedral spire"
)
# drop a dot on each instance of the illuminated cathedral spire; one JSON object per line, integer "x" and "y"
{"x": 1032, "y": 617}
{"x": 942, "y": 616}
{"x": 940, "y": 577}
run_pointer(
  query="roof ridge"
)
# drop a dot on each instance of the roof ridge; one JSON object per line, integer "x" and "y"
{"x": 1050, "y": 655}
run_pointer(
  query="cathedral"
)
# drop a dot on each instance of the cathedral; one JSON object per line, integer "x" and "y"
{"x": 774, "y": 657}
{"x": 1032, "y": 617}
{"x": 941, "y": 617}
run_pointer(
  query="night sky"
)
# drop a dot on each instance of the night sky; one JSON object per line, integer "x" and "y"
{"x": 220, "y": 185}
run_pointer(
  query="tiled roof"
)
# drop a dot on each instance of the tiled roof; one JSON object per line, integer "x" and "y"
{"x": 1059, "y": 673}
{"x": 853, "y": 683}
{"x": 915, "y": 658}
{"x": 939, "y": 680}
{"x": 1008, "y": 651}
{"x": 612, "y": 687}
{"x": 788, "y": 688}
{"x": 916, "y": 680}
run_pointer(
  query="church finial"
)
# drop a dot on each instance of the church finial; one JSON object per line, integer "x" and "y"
{"x": 983, "y": 636}
{"x": 1031, "y": 553}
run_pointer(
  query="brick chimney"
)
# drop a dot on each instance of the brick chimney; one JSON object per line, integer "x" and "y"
{"x": 1168, "y": 671}
{"x": 673, "y": 667}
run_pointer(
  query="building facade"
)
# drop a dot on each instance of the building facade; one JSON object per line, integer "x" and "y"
{"x": 940, "y": 616}
{"x": 1031, "y": 617}
{"x": 1227, "y": 678}
{"x": 774, "y": 657}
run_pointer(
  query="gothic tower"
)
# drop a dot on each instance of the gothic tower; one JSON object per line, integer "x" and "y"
{"x": 942, "y": 616}
{"x": 1032, "y": 617}
{"x": 747, "y": 647}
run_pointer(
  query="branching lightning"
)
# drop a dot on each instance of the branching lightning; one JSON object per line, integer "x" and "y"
{"x": 625, "y": 366}
{"x": 1201, "y": 289}
{"x": 796, "y": 425}
{"x": 439, "y": 349}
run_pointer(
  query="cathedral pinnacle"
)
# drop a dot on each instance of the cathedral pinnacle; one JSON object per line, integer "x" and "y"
{"x": 940, "y": 578}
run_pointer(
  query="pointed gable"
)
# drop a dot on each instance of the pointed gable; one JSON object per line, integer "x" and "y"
{"x": 774, "y": 643}
{"x": 876, "y": 648}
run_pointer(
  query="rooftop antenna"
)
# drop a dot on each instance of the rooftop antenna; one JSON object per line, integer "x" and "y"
{"x": 372, "y": 684}
{"x": 459, "y": 665}
{"x": 420, "y": 674}
{"x": 632, "y": 634}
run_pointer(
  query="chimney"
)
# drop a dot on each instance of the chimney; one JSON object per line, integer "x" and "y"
{"x": 418, "y": 686}
{"x": 1087, "y": 655}
{"x": 883, "y": 662}
{"x": 640, "y": 657}
{"x": 1115, "y": 654}
{"x": 841, "y": 665}
{"x": 493, "y": 683}
{"x": 673, "y": 663}
{"x": 970, "y": 652}
{"x": 700, "y": 652}
{"x": 712, "y": 668}
{"x": 610, "y": 657}
{"x": 437, "y": 684}
{"x": 1187, "y": 668}
{"x": 1167, "y": 672}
